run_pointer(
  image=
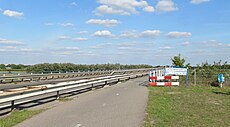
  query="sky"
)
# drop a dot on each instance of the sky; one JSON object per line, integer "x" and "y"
{"x": 114, "y": 31}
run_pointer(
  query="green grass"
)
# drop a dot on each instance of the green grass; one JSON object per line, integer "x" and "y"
{"x": 17, "y": 117}
{"x": 64, "y": 99}
{"x": 198, "y": 106}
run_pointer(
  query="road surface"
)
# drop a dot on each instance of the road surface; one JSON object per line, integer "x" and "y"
{"x": 120, "y": 105}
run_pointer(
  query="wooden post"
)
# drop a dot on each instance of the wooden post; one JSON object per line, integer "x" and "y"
{"x": 195, "y": 77}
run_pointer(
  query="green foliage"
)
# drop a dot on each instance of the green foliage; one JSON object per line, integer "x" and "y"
{"x": 12, "y": 66}
{"x": 68, "y": 67}
{"x": 178, "y": 61}
{"x": 2, "y": 66}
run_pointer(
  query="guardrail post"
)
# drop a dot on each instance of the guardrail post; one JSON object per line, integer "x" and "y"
{"x": 12, "y": 105}
{"x": 58, "y": 95}
{"x": 105, "y": 82}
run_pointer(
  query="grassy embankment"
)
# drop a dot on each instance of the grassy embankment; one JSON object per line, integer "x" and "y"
{"x": 198, "y": 106}
{"x": 17, "y": 117}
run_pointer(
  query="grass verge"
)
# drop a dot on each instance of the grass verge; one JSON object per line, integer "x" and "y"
{"x": 64, "y": 99}
{"x": 17, "y": 117}
{"x": 197, "y": 106}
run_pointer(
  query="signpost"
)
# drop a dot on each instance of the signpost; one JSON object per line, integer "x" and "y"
{"x": 221, "y": 79}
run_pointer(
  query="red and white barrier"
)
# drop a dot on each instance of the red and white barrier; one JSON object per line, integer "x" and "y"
{"x": 154, "y": 81}
{"x": 164, "y": 83}
{"x": 163, "y": 77}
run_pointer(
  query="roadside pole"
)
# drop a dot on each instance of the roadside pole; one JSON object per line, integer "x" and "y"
{"x": 187, "y": 79}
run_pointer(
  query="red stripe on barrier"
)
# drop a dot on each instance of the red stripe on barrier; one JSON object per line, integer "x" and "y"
{"x": 165, "y": 77}
{"x": 168, "y": 84}
{"x": 168, "y": 77}
{"x": 153, "y": 84}
{"x": 153, "y": 78}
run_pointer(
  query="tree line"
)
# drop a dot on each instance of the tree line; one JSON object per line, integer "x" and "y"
{"x": 12, "y": 66}
{"x": 67, "y": 67}
{"x": 178, "y": 61}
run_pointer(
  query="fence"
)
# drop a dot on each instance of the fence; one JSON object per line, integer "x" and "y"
{"x": 206, "y": 77}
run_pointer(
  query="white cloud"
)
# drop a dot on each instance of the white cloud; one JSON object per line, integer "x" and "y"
{"x": 104, "y": 9}
{"x": 10, "y": 42}
{"x": 72, "y": 39}
{"x": 102, "y": 45}
{"x": 103, "y": 33}
{"x": 149, "y": 9}
{"x": 106, "y": 22}
{"x": 66, "y": 24}
{"x": 150, "y": 33}
{"x": 176, "y": 34}
{"x": 198, "y": 1}
{"x": 186, "y": 43}
{"x": 11, "y": 13}
{"x": 127, "y": 44}
{"x": 73, "y": 4}
{"x": 64, "y": 37}
{"x": 166, "y": 6}
{"x": 166, "y": 47}
{"x": 80, "y": 39}
{"x": 82, "y": 32}
{"x": 129, "y": 34}
{"x": 146, "y": 33}
{"x": 122, "y": 7}
{"x": 211, "y": 43}
{"x": 71, "y": 48}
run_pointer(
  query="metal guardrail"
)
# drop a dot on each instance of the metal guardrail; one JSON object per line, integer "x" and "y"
{"x": 69, "y": 86}
{"x": 38, "y": 77}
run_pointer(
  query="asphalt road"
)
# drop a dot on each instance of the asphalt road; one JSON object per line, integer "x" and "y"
{"x": 120, "y": 105}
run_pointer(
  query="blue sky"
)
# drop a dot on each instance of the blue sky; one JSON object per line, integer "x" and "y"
{"x": 114, "y": 31}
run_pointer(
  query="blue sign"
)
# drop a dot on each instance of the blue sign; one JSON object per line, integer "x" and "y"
{"x": 220, "y": 78}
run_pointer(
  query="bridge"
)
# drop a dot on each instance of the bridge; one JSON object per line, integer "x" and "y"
{"x": 40, "y": 88}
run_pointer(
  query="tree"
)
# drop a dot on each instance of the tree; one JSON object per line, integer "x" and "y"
{"x": 2, "y": 66}
{"x": 178, "y": 61}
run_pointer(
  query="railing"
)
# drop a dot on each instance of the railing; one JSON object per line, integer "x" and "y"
{"x": 38, "y": 77}
{"x": 20, "y": 97}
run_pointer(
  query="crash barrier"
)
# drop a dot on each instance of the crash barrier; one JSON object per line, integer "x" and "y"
{"x": 39, "y": 77}
{"x": 21, "y": 96}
